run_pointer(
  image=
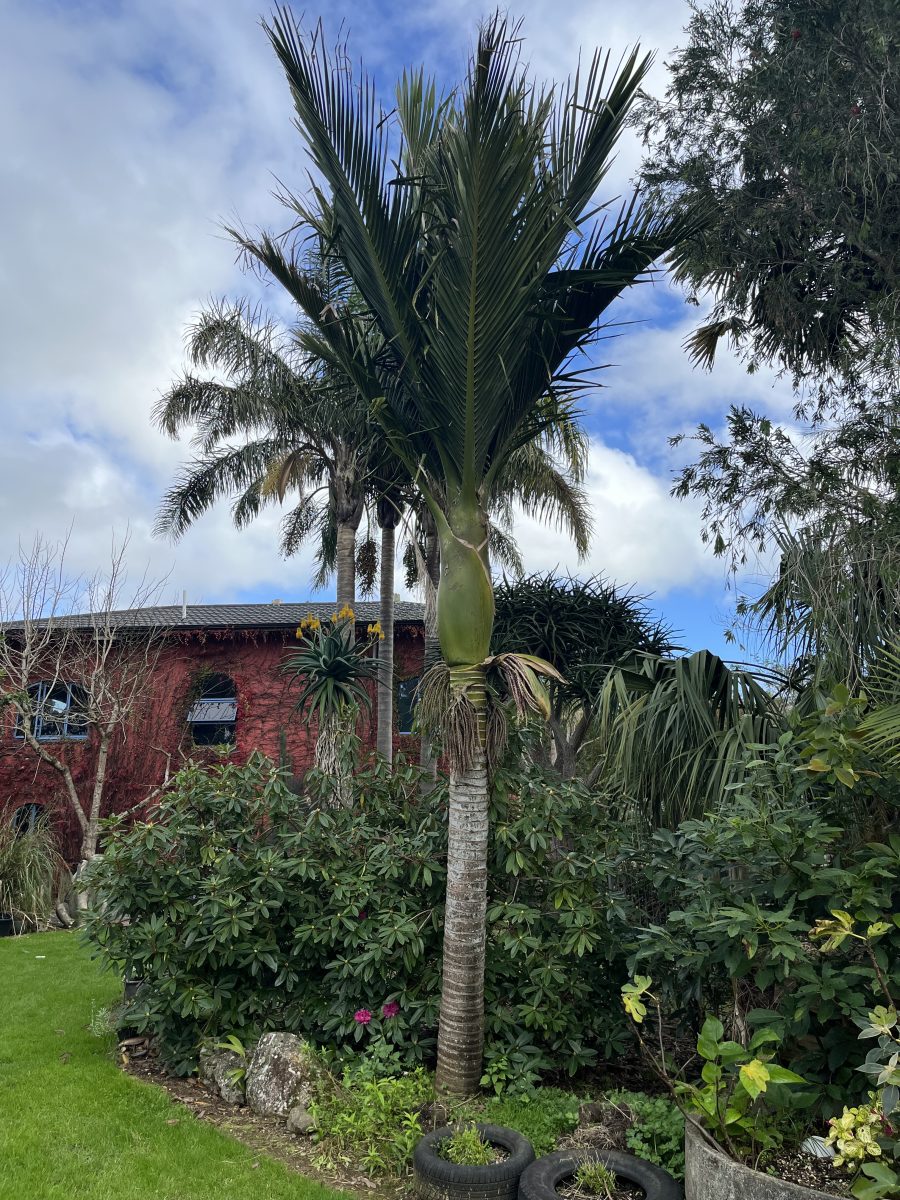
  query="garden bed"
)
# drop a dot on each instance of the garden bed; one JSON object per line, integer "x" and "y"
{"x": 260, "y": 1134}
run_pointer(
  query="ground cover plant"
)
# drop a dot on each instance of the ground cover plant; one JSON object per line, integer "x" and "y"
{"x": 107, "y": 1135}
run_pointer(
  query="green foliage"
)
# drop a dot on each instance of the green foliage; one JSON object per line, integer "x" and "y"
{"x": 371, "y": 1122}
{"x": 583, "y": 627}
{"x": 674, "y": 733}
{"x": 251, "y": 909}
{"x": 596, "y": 1179}
{"x": 722, "y": 920}
{"x": 733, "y": 1096}
{"x": 29, "y": 863}
{"x": 866, "y": 1134}
{"x": 333, "y": 668}
{"x": 775, "y": 116}
{"x": 467, "y": 1148}
{"x": 657, "y": 1133}
{"x": 543, "y": 1115}
{"x": 881, "y": 1182}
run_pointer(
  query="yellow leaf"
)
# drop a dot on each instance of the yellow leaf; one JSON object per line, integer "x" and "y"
{"x": 754, "y": 1077}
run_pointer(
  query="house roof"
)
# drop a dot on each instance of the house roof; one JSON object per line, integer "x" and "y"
{"x": 236, "y": 616}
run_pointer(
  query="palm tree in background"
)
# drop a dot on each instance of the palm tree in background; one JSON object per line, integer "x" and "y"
{"x": 468, "y": 225}
{"x": 278, "y": 423}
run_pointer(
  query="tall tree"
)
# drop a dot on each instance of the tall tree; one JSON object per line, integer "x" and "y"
{"x": 468, "y": 225}
{"x": 279, "y": 423}
{"x": 782, "y": 117}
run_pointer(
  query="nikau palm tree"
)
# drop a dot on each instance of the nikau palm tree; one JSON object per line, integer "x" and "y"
{"x": 468, "y": 226}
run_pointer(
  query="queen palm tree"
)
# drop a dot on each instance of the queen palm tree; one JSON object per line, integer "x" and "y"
{"x": 468, "y": 225}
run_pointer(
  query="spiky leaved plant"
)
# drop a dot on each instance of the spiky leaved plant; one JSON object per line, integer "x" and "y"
{"x": 468, "y": 225}
{"x": 333, "y": 668}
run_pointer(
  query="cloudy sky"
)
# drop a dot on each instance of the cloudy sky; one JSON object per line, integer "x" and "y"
{"x": 130, "y": 130}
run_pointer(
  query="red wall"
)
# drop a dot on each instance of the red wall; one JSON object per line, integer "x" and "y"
{"x": 158, "y": 735}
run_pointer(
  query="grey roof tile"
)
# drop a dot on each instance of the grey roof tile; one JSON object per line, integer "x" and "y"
{"x": 239, "y": 616}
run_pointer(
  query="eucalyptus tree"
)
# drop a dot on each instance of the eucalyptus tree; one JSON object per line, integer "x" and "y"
{"x": 468, "y": 225}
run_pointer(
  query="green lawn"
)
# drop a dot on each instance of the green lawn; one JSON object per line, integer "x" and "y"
{"x": 74, "y": 1127}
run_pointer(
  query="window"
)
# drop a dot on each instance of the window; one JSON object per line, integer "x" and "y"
{"x": 26, "y": 817}
{"x": 407, "y": 697}
{"x": 213, "y": 715}
{"x": 57, "y": 712}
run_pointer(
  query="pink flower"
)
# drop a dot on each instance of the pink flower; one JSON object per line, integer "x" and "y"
{"x": 362, "y": 1016}
{"x": 390, "y": 1009}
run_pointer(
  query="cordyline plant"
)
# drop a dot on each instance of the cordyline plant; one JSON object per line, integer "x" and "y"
{"x": 469, "y": 226}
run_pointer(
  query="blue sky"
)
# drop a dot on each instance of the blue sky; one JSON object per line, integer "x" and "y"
{"x": 131, "y": 129}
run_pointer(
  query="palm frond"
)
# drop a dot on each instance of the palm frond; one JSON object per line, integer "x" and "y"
{"x": 675, "y": 732}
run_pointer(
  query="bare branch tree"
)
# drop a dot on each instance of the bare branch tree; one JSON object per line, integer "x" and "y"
{"x": 75, "y": 673}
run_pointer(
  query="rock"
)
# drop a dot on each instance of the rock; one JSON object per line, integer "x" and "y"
{"x": 280, "y": 1075}
{"x": 299, "y": 1120}
{"x": 216, "y": 1067}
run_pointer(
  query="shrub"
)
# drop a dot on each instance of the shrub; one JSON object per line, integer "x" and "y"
{"x": 730, "y": 901}
{"x": 246, "y": 908}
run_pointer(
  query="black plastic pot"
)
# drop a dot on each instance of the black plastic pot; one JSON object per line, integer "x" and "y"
{"x": 132, "y": 987}
{"x": 438, "y": 1179}
{"x": 541, "y": 1180}
{"x": 7, "y": 925}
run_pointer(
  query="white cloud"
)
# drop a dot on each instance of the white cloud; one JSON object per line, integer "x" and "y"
{"x": 642, "y": 537}
{"x": 129, "y": 131}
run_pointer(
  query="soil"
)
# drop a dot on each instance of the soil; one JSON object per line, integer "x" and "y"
{"x": 261, "y": 1134}
{"x": 795, "y": 1166}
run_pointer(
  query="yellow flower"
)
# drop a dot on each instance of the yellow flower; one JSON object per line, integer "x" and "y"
{"x": 374, "y": 630}
{"x": 346, "y": 613}
{"x": 310, "y": 622}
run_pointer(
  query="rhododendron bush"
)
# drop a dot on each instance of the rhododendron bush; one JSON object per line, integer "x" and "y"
{"x": 246, "y": 908}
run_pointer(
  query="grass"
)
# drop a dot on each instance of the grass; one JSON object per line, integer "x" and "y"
{"x": 75, "y": 1127}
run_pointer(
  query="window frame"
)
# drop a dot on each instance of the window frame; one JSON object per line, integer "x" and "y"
{"x": 65, "y": 728}
{"x": 214, "y": 679}
{"x": 415, "y": 680}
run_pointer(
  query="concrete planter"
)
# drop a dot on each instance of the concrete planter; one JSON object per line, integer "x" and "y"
{"x": 711, "y": 1175}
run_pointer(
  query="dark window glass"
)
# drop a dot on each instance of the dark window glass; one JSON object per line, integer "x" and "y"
{"x": 407, "y": 697}
{"x": 213, "y": 715}
{"x": 26, "y": 817}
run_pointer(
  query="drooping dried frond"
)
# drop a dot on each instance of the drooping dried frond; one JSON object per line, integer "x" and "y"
{"x": 447, "y": 712}
{"x": 520, "y": 675}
